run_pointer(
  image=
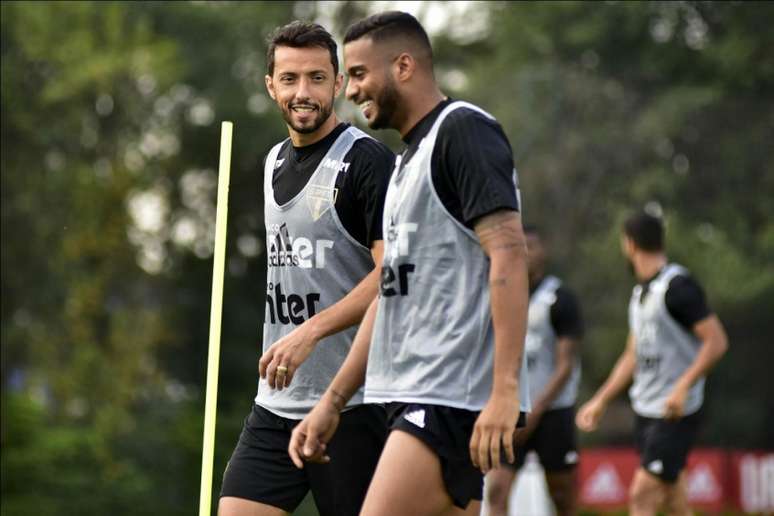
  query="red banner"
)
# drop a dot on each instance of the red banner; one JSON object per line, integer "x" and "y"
{"x": 605, "y": 475}
{"x": 707, "y": 480}
{"x": 752, "y": 481}
{"x": 717, "y": 480}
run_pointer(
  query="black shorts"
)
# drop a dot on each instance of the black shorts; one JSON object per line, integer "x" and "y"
{"x": 553, "y": 440}
{"x": 664, "y": 445}
{"x": 260, "y": 468}
{"x": 447, "y": 431}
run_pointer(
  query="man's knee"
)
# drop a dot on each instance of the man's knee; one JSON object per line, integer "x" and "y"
{"x": 498, "y": 489}
{"x": 676, "y": 502}
{"x": 646, "y": 494}
{"x": 563, "y": 491}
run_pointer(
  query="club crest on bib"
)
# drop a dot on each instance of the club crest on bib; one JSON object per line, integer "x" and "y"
{"x": 319, "y": 199}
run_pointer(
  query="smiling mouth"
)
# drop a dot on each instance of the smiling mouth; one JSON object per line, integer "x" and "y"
{"x": 303, "y": 109}
{"x": 366, "y": 106}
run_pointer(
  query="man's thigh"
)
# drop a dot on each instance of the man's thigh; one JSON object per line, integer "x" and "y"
{"x": 664, "y": 445}
{"x": 555, "y": 441}
{"x": 260, "y": 469}
{"x": 646, "y": 493}
{"x": 339, "y": 487}
{"x": 408, "y": 480}
{"x": 230, "y": 506}
{"x": 446, "y": 431}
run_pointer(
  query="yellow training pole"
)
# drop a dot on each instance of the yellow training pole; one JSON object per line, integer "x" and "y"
{"x": 210, "y": 408}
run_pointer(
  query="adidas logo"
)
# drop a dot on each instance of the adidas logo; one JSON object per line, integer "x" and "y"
{"x": 278, "y": 163}
{"x": 702, "y": 484}
{"x": 604, "y": 485}
{"x": 416, "y": 417}
{"x": 656, "y": 467}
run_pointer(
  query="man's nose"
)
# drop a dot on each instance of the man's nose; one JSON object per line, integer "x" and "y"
{"x": 352, "y": 90}
{"x": 304, "y": 89}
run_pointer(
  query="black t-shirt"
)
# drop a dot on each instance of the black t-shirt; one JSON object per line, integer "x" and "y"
{"x": 565, "y": 313}
{"x": 361, "y": 186}
{"x": 684, "y": 299}
{"x": 472, "y": 163}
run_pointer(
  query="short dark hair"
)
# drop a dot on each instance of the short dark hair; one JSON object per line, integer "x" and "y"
{"x": 299, "y": 34}
{"x": 646, "y": 230}
{"x": 389, "y": 25}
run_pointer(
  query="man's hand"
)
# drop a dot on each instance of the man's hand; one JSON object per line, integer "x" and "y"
{"x": 311, "y": 436}
{"x": 289, "y": 352}
{"x": 674, "y": 406}
{"x": 494, "y": 427}
{"x": 589, "y": 415}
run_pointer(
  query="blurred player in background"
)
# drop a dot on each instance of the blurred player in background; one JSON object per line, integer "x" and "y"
{"x": 446, "y": 353}
{"x": 554, "y": 331}
{"x": 674, "y": 340}
{"x": 324, "y": 193}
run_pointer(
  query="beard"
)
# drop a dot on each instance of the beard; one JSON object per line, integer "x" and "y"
{"x": 323, "y": 112}
{"x": 386, "y": 105}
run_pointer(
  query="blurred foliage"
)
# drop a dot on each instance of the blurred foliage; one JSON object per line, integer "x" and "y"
{"x": 110, "y": 131}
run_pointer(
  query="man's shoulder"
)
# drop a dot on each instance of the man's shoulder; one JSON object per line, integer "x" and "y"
{"x": 468, "y": 115}
{"x": 469, "y": 124}
{"x": 369, "y": 157}
{"x": 371, "y": 148}
{"x": 279, "y": 149}
{"x": 683, "y": 283}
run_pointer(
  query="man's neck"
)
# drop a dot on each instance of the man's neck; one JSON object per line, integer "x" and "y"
{"x": 417, "y": 106}
{"x": 304, "y": 139}
{"x": 647, "y": 265}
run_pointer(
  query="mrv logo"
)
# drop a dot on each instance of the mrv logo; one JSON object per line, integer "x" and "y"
{"x": 286, "y": 251}
{"x": 338, "y": 166}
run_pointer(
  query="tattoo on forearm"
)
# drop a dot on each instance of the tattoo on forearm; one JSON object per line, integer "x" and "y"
{"x": 498, "y": 235}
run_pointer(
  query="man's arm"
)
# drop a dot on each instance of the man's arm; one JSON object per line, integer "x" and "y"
{"x": 714, "y": 341}
{"x": 502, "y": 239}
{"x": 311, "y": 436}
{"x": 565, "y": 361}
{"x": 565, "y": 317}
{"x": 592, "y": 411}
{"x": 291, "y": 350}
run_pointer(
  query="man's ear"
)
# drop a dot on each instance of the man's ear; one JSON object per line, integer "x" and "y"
{"x": 627, "y": 245}
{"x": 404, "y": 67}
{"x": 338, "y": 85}
{"x": 270, "y": 87}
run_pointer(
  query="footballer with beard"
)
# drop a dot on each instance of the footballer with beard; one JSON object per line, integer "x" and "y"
{"x": 324, "y": 189}
{"x": 442, "y": 346}
{"x": 674, "y": 340}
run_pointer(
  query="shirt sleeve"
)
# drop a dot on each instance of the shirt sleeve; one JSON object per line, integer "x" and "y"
{"x": 686, "y": 302}
{"x": 477, "y": 163}
{"x": 360, "y": 201}
{"x": 566, "y": 318}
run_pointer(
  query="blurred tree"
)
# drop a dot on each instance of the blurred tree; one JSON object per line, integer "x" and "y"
{"x": 110, "y": 140}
